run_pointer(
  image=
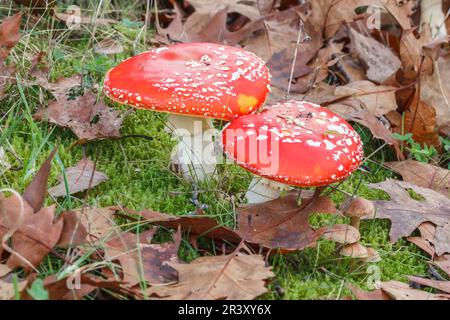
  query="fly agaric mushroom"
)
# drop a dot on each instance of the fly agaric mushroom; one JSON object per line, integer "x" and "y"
{"x": 194, "y": 82}
{"x": 292, "y": 143}
{"x": 357, "y": 209}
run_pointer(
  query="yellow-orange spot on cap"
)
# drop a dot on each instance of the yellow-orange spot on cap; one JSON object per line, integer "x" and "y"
{"x": 317, "y": 170}
{"x": 246, "y": 103}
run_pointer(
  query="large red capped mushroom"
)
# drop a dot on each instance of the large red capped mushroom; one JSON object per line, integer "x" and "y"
{"x": 292, "y": 143}
{"x": 193, "y": 82}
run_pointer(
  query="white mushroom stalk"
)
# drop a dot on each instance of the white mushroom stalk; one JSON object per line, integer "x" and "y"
{"x": 263, "y": 190}
{"x": 194, "y": 156}
{"x": 433, "y": 16}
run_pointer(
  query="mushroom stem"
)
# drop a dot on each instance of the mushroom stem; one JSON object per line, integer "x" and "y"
{"x": 194, "y": 156}
{"x": 262, "y": 190}
{"x": 355, "y": 222}
{"x": 433, "y": 15}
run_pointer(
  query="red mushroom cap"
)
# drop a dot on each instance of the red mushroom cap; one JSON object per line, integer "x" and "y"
{"x": 295, "y": 142}
{"x": 197, "y": 79}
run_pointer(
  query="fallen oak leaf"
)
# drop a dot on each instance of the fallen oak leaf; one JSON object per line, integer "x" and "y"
{"x": 229, "y": 277}
{"x": 406, "y": 214}
{"x": 443, "y": 262}
{"x": 423, "y": 175}
{"x": 435, "y": 89}
{"x": 82, "y": 176}
{"x": 381, "y": 62}
{"x": 87, "y": 118}
{"x": 376, "y": 99}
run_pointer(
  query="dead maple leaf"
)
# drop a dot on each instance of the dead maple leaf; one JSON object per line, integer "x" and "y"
{"x": 435, "y": 89}
{"x": 406, "y": 214}
{"x": 437, "y": 284}
{"x": 141, "y": 260}
{"x": 82, "y": 176}
{"x": 282, "y": 224}
{"x": 60, "y": 87}
{"x": 380, "y": 60}
{"x": 74, "y": 232}
{"x": 98, "y": 222}
{"x": 9, "y": 34}
{"x": 423, "y": 175}
{"x": 88, "y": 119}
{"x": 237, "y": 276}
{"x": 9, "y": 37}
{"x": 34, "y": 239}
{"x": 9, "y": 287}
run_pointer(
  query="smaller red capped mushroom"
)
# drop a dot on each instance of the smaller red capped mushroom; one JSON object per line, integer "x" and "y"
{"x": 292, "y": 143}
{"x": 194, "y": 82}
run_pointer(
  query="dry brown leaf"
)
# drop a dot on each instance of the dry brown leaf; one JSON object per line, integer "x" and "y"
{"x": 411, "y": 53}
{"x": 401, "y": 291}
{"x": 141, "y": 260}
{"x": 88, "y": 119}
{"x": 73, "y": 17}
{"x": 60, "y": 87}
{"x": 376, "y": 99}
{"x": 4, "y": 270}
{"x": 437, "y": 284}
{"x": 406, "y": 214}
{"x": 8, "y": 287}
{"x": 377, "y": 128}
{"x": 330, "y": 14}
{"x": 281, "y": 223}
{"x": 421, "y": 121}
{"x": 34, "y": 239}
{"x": 423, "y": 175}
{"x": 206, "y": 9}
{"x": 73, "y": 232}
{"x": 9, "y": 34}
{"x": 360, "y": 294}
{"x": 98, "y": 222}
{"x": 194, "y": 225}
{"x": 380, "y": 60}
{"x": 236, "y": 276}
{"x": 444, "y": 263}
{"x": 108, "y": 46}
{"x": 82, "y": 176}
{"x": 34, "y": 194}
{"x": 435, "y": 89}
{"x": 341, "y": 233}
